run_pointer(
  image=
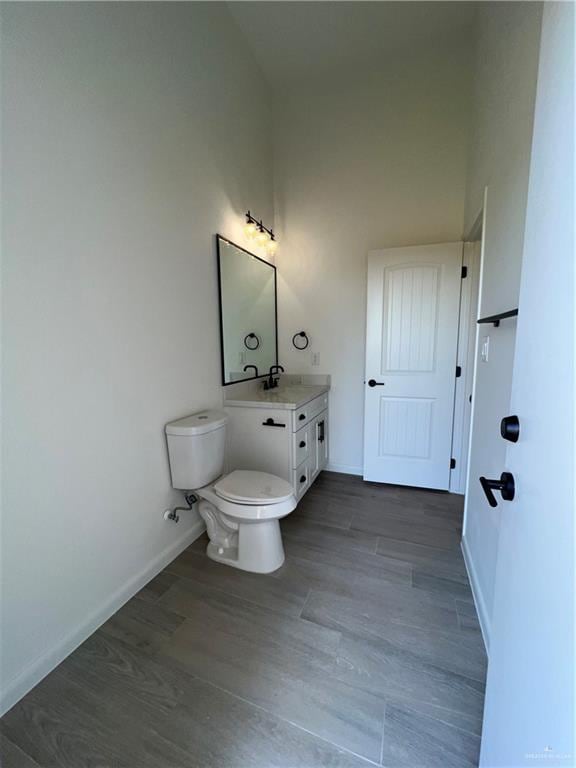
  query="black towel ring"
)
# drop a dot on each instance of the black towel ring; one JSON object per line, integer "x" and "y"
{"x": 251, "y": 345}
{"x": 303, "y": 335}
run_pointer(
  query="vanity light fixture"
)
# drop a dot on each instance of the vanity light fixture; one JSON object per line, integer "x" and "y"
{"x": 250, "y": 229}
{"x": 272, "y": 245}
{"x": 263, "y": 236}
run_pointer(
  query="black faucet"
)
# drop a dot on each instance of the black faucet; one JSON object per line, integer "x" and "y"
{"x": 256, "y": 374}
{"x": 271, "y": 382}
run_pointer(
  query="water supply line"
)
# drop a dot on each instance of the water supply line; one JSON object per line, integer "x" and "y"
{"x": 173, "y": 515}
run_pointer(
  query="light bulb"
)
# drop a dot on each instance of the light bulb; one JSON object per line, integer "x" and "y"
{"x": 272, "y": 247}
{"x": 250, "y": 229}
{"x": 261, "y": 237}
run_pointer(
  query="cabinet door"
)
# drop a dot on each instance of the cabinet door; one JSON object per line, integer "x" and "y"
{"x": 320, "y": 442}
{"x": 260, "y": 439}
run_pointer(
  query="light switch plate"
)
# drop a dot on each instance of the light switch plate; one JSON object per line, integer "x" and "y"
{"x": 484, "y": 349}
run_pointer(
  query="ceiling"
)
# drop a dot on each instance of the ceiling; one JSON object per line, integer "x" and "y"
{"x": 292, "y": 40}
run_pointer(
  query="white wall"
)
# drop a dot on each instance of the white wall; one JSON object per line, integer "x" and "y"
{"x": 132, "y": 132}
{"x": 500, "y": 140}
{"x": 361, "y": 162}
{"x": 529, "y": 711}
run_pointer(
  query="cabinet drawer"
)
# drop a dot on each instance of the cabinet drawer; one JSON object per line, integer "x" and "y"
{"x": 302, "y": 445}
{"x": 302, "y": 477}
{"x": 306, "y": 412}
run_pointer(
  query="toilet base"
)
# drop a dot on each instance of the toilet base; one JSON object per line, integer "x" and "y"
{"x": 259, "y": 548}
{"x": 250, "y": 546}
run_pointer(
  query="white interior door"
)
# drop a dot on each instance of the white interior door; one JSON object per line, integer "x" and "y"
{"x": 529, "y": 711}
{"x": 411, "y": 339}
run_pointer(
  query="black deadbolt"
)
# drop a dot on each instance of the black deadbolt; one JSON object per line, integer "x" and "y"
{"x": 510, "y": 428}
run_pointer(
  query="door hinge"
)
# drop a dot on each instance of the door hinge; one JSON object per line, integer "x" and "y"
{"x": 464, "y": 272}
{"x": 458, "y": 371}
{"x": 452, "y": 463}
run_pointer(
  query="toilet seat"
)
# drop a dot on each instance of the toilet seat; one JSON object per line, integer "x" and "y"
{"x": 253, "y": 488}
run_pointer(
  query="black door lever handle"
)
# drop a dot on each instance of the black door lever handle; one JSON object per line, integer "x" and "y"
{"x": 373, "y": 383}
{"x": 505, "y": 485}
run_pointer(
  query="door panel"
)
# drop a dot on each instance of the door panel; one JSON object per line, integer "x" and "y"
{"x": 412, "y": 333}
{"x": 410, "y": 319}
{"x": 405, "y": 427}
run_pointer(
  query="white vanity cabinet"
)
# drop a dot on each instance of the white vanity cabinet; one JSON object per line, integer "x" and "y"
{"x": 290, "y": 440}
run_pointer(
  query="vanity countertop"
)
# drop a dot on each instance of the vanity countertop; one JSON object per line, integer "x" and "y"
{"x": 287, "y": 397}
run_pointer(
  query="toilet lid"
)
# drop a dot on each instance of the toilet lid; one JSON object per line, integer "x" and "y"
{"x": 246, "y": 487}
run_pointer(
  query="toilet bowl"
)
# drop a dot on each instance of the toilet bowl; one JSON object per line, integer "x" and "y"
{"x": 241, "y": 509}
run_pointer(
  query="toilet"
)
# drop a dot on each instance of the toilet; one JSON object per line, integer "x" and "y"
{"x": 241, "y": 509}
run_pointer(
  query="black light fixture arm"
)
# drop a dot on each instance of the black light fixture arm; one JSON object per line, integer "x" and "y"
{"x": 253, "y": 220}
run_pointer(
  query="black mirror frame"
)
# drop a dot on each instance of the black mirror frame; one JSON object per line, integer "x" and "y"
{"x": 220, "y": 238}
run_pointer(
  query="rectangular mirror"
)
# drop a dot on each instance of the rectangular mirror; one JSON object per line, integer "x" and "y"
{"x": 247, "y": 313}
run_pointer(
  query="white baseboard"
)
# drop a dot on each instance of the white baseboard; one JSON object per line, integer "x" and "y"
{"x": 346, "y": 469}
{"x": 477, "y": 595}
{"x": 34, "y": 672}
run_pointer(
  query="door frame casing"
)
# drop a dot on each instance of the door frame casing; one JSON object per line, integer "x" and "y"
{"x": 467, "y": 345}
{"x": 477, "y": 232}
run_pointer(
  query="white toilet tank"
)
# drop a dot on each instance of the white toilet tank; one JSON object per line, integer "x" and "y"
{"x": 196, "y": 449}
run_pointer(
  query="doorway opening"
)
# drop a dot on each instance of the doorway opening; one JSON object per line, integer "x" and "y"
{"x": 422, "y": 312}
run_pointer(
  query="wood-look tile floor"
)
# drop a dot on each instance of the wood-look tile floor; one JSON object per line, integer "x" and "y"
{"x": 364, "y": 648}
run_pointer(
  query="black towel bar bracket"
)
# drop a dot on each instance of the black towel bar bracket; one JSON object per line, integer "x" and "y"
{"x": 495, "y": 319}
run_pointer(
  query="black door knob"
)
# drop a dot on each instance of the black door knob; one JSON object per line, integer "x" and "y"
{"x": 505, "y": 485}
{"x": 374, "y": 383}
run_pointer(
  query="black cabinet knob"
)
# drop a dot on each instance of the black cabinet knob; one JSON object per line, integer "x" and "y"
{"x": 510, "y": 428}
{"x": 374, "y": 383}
{"x": 302, "y": 417}
{"x": 303, "y": 479}
{"x": 302, "y": 444}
